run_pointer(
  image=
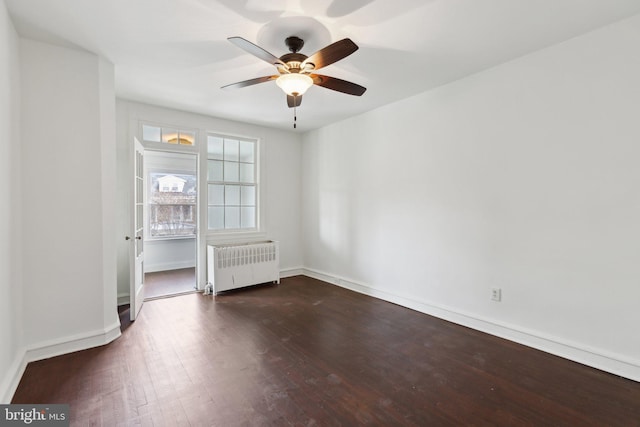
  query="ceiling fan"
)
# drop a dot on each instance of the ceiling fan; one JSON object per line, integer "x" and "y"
{"x": 295, "y": 70}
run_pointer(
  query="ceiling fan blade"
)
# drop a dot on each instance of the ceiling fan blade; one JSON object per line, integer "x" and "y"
{"x": 330, "y": 54}
{"x": 249, "y": 82}
{"x": 256, "y": 50}
{"x": 294, "y": 101}
{"x": 338, "y": 84}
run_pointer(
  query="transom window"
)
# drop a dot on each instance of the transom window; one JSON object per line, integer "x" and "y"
{"x": 231, "y": 183}
{"x": 168, "y": 135}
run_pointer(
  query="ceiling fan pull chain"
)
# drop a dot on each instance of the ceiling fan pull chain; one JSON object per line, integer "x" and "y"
{"x": 295, "y": 115}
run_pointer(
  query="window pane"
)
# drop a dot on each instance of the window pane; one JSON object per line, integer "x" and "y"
{"x": 171, "y": 202}
{"x": 231, "y": 171}
{"x": 248, "y": 196}
{"x": 170, "y": 136}
{"x": 214, "y": 171}
{"x": 231, "y": 149}
{"x": 248, "y": 217}
{"x": 246, "y": 151}
{"x": 187, "y": 137}
{"x": 151, "y": 133}
{"x": 231, "y": 217}
{"x": 214, "y": 147}
{"x": 216, "y": 217}
{"x": 246, "y": 172}
{"x": 216, "y": 194}
{"x": 232, "y": 195}
{"x": 232, "y": 189}
{"x": 139, "y": 213}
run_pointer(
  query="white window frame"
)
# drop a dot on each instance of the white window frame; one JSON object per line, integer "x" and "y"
{"x": 237, "y": 234}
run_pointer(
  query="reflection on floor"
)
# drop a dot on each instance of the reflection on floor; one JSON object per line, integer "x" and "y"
{"x": 166, "y": 283}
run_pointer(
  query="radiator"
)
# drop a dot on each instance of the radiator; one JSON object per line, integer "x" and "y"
{"x": 243, "y": 264}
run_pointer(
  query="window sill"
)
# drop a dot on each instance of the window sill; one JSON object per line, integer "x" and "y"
{"x": 216, "y": 238}
{"x": 165, "y": 238}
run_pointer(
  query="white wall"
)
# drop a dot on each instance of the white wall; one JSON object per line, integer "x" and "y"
{"x": 523, "y": 177}
{"x": 107, "y": 162}
{"x": 10, "y": 210}
{"x": 68, "y": 172}
{"x": 281, "y": 153}
{"x": 171, "y": 254}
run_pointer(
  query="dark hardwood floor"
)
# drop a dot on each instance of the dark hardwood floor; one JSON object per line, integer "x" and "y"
{"x": 167, "y": 283}
{"x": 307, "y": 353}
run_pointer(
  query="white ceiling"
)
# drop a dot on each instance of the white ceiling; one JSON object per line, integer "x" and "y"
{"x": 174, "y": 53}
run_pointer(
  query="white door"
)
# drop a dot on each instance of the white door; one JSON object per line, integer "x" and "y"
{"x": 136, "y": 253}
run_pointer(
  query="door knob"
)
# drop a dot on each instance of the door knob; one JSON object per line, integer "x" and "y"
{"x": 129, "y": 238}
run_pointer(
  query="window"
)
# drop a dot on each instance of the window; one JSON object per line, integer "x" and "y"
{"x": 172, "y": 205}
{"x": 168, "y": 135}
{"x": 231, "y": 183}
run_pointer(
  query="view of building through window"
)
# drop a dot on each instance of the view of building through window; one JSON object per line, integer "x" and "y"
{"x": 172, "y": 204}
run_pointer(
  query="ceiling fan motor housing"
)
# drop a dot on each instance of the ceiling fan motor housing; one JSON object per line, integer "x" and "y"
{"x": 293, "y": 59}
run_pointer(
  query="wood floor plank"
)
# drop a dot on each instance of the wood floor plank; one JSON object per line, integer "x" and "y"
{"x": 307, "y": 353}
{"x": 171, "y": 282}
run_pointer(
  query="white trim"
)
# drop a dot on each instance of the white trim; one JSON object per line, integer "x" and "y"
{"x": 290, "y": 272}
{"x": 259, "y": 183}
{"x": 12, "y": 378}
{"x": 595, "y": 358}
{"x": 70, "y": 344}
{"x": 53, "y": 348}
{"x": 123, "y": 299}
{"x": 237, "y": 237}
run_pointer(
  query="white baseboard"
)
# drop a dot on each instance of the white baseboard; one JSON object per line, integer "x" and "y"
{"x": 153, "y": 268}
{"x": 53, "y": 348}
{"x": 12, "y": 377}
{"x": 596, "y": 358}
{"x": 72, "y": 343}
{"x": 123, "y": 299}
{"x": 290, "y": 272}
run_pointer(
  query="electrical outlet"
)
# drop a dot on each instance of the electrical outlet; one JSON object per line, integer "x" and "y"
{"x": 496, "y": 294}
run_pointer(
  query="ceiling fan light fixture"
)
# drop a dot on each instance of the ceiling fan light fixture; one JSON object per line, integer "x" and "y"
{"x": 294, "y": 83}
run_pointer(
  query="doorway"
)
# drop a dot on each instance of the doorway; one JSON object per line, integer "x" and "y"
{"x": 170, "y": 215}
